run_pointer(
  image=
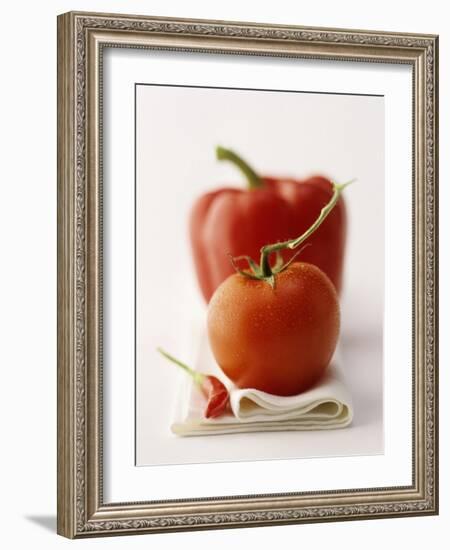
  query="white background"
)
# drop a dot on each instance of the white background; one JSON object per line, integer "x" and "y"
{"x": 28, "y": 302}
{"x": 125, "y": 482}
{"x": 339, "y": 135}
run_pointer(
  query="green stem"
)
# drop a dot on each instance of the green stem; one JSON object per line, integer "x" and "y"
{"x": 197, "y": 376}
{"x": 268, "y": 249}
{"x": 253, "y": 180}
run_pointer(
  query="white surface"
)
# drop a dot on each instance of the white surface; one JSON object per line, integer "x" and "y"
{"x": 28, "y": 223}
{"x": 291, "y": 134}
{"x": 125, "y": 482}
{"x": 326, "y": 406}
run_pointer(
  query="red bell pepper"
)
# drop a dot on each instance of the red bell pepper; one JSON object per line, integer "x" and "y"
{"x": 235, "y": 222}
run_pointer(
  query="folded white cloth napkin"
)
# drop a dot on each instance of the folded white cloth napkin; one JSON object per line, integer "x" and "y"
{"x": 327, "y": 405}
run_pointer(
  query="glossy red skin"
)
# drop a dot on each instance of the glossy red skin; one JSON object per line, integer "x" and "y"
{"x": 241, "y": 221}
{"x": 277, "y": 340}
{"x": 217, "y": 395}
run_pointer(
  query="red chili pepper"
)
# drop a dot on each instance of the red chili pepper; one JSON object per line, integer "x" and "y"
{"x": 215, "y": 392}
{"x": 233, "y": 222}
{"x": 217, "y": 395}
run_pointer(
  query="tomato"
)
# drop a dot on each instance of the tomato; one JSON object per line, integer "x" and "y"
{"x": 276, "y": 339}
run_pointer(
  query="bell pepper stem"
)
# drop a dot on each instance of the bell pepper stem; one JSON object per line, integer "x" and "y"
{"x": 196, "y": 376}
{"x": 267, "y": 250}
{"x": 253, "y": 180}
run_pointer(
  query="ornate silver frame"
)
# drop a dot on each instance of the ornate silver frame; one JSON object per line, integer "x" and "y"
{"x": 81, "y": 510}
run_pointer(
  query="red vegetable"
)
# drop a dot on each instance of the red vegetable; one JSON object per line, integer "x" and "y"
{"x": 277, "y": 340}
{"x": 234, "y": 222}
{"x": 217, "y": 396}
{"x": 213, "y": 389}
{"x": 275, "y": 328}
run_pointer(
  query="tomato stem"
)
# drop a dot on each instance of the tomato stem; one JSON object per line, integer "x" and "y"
{"x": 253, "y": 180}
{"x": 267, "y": 250}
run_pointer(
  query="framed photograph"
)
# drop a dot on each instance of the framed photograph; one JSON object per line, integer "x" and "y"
{"x": 247, "y": 274}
